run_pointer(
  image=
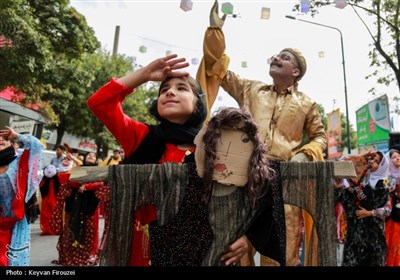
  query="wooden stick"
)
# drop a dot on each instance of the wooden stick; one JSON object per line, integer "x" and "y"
{"x": 344, "y": 169}
{"x": 85, "y": 174}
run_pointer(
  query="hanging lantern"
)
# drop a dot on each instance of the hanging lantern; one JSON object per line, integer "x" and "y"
{"x": 305, "y": 6}
{"x": 227, "y": 8}
{"x": 142, "y": 49}
{"x": 186, "y": 5}
{"x": 195, "y": 61}
{"x": 168, "y": 52}
{"x": 340, "y": 4}
{"x": 244, "y": 64}
{"x": 265, "y": 13}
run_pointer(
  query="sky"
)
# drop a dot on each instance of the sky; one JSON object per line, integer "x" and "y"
{"x": 163, "y": 26}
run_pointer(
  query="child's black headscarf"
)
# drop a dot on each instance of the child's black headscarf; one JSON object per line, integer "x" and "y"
{"x": 181, "y": 133}
{"x": 153, "y": 145}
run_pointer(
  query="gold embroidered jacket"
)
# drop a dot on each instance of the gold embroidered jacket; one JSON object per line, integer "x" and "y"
{"x": 281, "y": 117}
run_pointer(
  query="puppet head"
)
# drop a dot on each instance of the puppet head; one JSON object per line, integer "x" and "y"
{"x": 50, "y": 171}
{"x": 229, "y": 151}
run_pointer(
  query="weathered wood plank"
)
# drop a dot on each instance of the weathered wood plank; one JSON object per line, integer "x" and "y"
{"x": 84, "y": 174}
{"x": 344, "y": 169}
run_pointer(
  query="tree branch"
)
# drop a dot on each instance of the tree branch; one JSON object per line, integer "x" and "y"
{"x": 395, "y": 27}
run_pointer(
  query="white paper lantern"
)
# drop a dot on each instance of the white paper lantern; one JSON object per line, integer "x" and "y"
{"x": 143, "y": 49}
{"x": 186, "y": 5}
{"x": 227, "y": 8}
{"x": 305, "y": 6}
{"x": 195, "y": 61}
{"x": 265, "y": 13}
{"x": 340, "y": 4}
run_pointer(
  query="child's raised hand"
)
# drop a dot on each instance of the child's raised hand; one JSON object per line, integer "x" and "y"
{"x": 8, "y": 133}
{"x": 166, "y": 66}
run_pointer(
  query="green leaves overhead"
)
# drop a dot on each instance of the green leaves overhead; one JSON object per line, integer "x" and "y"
{"x": 43, "y": 37}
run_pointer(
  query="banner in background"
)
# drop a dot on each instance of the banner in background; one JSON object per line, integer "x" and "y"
{"x": 373, "y": 124}
{"x": 334, "y": 134}
{"x": 23, "y": 127}
{"x": 78, "y": 143}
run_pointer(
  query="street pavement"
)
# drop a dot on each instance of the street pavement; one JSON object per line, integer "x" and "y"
{"x": 43, "y": 248}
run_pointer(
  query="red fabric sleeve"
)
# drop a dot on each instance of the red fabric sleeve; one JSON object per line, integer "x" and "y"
{"x": 93, "y": 186}
{"x": 18, "y": 201}
{"x": 106, "y": 105}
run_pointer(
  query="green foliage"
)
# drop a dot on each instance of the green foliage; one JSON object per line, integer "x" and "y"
{"x": 53, "y": 56}
{"x": 353, "y": 134}
{"x": 43, "y": 39}
{"x": 138, "y": 104}
{"x": 321, "y": 111}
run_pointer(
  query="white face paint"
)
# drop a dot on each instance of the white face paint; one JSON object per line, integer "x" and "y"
{"x": 50, "y": 171}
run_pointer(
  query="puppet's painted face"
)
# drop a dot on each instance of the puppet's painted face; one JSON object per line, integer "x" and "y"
{"x": 50, "y": 171}
{"x": 234, "y": 149}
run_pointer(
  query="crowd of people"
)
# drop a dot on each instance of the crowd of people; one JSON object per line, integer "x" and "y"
{"x": 367, "y": 204}
{"x": 284, "y": 115}
{"x": 72, "y": 210}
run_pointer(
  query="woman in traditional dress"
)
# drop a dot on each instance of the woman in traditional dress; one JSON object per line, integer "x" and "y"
{"x": 49, "y": 187}
{"x": 367, "y": 205}
{"x": 78, "y": 243}
{"x": 20, "y": 176}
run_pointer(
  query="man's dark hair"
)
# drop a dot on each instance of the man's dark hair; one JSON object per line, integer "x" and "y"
{"x": 61, "y": 147}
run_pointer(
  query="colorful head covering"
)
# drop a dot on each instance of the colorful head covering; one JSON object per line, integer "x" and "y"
{"x": 381, "y": 173}
{"x": 393, "y": 170}
{"x": 182, "y": 133}
{"x": 7, "y": 155}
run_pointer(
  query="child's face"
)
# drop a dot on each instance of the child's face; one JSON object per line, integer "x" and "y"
{"x": 396, "y": 159}
{"x": 4, "y": 143}
{"x": 176, "y": 100}
{"x": 90, "y": 158}
{"x": 66, "y": 161}
{"x": 59, "y": 152}
{"x": 375, "y": 162}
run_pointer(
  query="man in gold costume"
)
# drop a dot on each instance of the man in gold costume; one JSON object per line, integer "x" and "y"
{"x": 285, "y": 116}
